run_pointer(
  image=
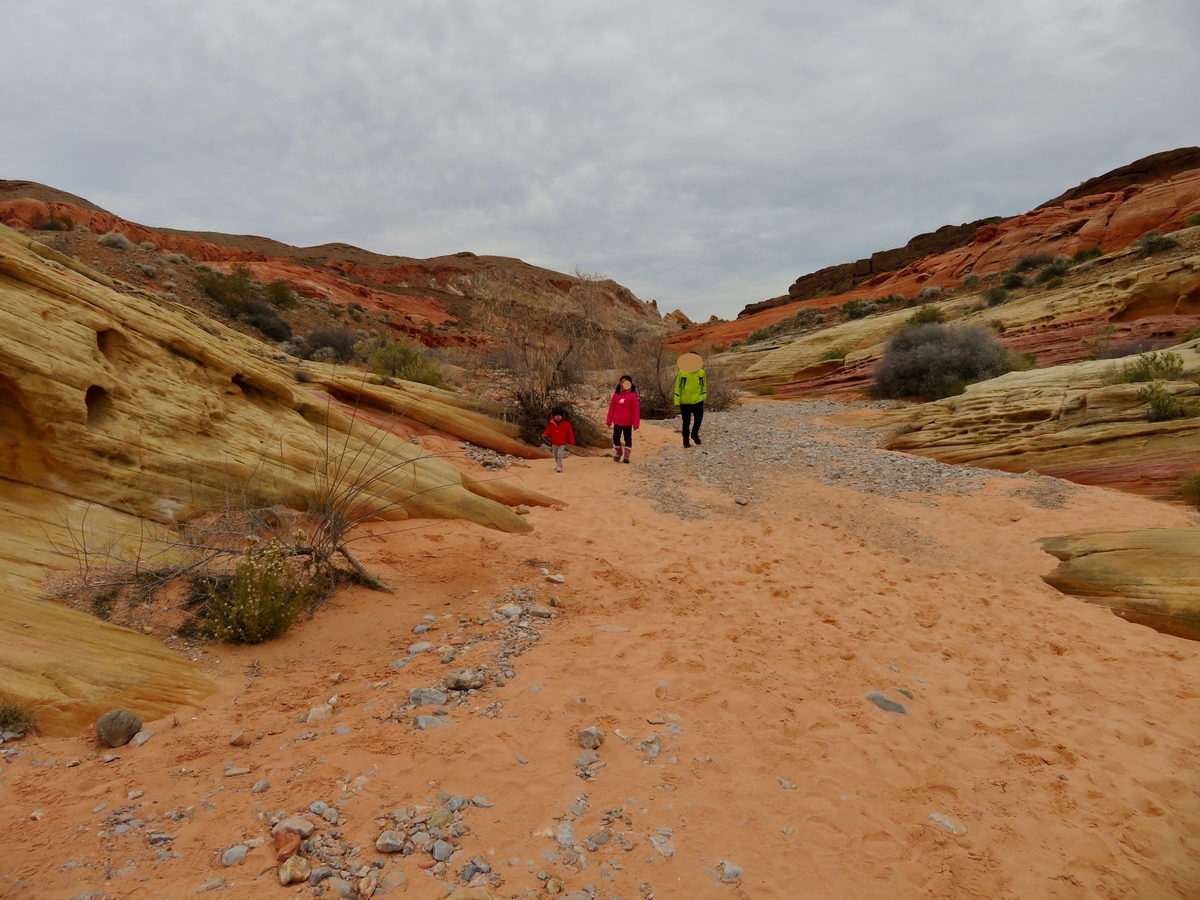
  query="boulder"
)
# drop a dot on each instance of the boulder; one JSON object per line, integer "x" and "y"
{"x": 117, "y": 727}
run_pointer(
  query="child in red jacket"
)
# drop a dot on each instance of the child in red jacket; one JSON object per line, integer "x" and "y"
{"x": 625, "y": 416}
{"x": 559, "y": 433}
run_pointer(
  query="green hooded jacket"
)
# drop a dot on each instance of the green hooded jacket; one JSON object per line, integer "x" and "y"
{"x": 691, "y": 387}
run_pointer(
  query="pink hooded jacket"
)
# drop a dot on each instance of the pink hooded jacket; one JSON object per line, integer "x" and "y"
{"x": 625, "y": 408}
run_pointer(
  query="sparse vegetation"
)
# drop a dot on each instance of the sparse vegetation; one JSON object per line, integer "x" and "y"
{"x": 147, "y": 245}
{"x": 929, "y": 292}
{"x": 115, "y": 241}
{"x": 1192, "y": 221}
{"x": 758, "y": 334}
{"x": 933, "y": 361}
{"x": 16, "y": 715}
{"x": 859, "y": 309}
{"x": 926, "y": 315}
{"x": 56, "y": 223}
{"x": 995, "y": 295}
{"x": 833, "y": 353}
{"x": 1013, "y": 281}
{"x": 1055, "y": 282}
{"x": 231, "y": 291}
{"x": 1163, "y": 405}
{"x": 261, "y": 600}
{"x": 1057, "y": 269}
{"x": 1189, "y": 489}
{"x": 1155, "y": 242}
{"x": 279, "y": 294}
{"x": 148, "y": 270}
{"x": 1152, "y": 366}
{"x": 971, "y": 281}
{"x": 765, "y": 390}
{"x": 177, "y": 259}
{"x": 335, "y": 345}
{"x": 261, "y": 315}
{"x": 1082, "y": 256}
{"x": 402, "y": 359}
{"x": 1032, "y": 261}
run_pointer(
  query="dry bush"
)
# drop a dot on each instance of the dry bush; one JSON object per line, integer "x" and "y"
{"x": 933, "y": 361}
{"x": 1189, "y": 489}
{"x": 1155, "y": 242}
{"x": 16, "y": 715}
{"x": 115, "y": 240}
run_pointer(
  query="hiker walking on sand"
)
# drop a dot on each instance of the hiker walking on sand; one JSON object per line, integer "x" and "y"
{"x": 691, "y": 390}
{"x": 559, "y": 433}
{"x": 625, "y": 416}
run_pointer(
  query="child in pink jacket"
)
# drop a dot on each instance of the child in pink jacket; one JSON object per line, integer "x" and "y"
{"x": 625, "y": 416}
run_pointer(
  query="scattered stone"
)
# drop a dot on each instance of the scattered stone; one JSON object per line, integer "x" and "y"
{"x": 886, "y": 703}
{"x": 161, "y": 838}
{"x": 651, "y": 746}
{"x": 232, "y": 770}
{"x": 786, "y": 785}
{"x": 741, "y": 501}
{"x": 522, "y": 510}
{"x": 656, "y": 719}
{"x": 318, "y": 807}
{"x": 287, "y": 845}
{"x": 240, "y": 739}
{"x": 566, "y": 835}
{"x": 336, "y": 677}
{"x": 587, "y": 758}
{"x": 426, "y": 697}
{"x": 510, "y": 611}
{"x": 234, "y": 855}
{"x": 426, "y": 722}
{"x": 213, "y": 884}
{"x": 319, "y": 714}
{"x": 117, "y": 727}
{"x": 141, "y": 737}
{"x": 367, "y": 885}
{"x": 730, "y": 872}
{"x": 110, "y": 757}
{"x": 420, "y": 629}
{"x": 340, "y": 888}
{"x": 540, "y": 612}
{"x": 342, "y": 729}
{"x": 663, "y": 845}
{"x": 556, "y": 579}
{"x": 419, "y": 647}
{"x": 330, "y": 815}
{"x": 134, "y": 795}
{"x": 390, "y": 842}
{"x": 294, "y": 870}
{"x": 441, "y": 850}
{"x": 300, "y": 826}
{"x": 319, "y": 874}
{"x": 463, "y": 679}
{"x": 440, "y": 818}
{"x": 948, "y": 824}
{"x": 482, "y": 802}
{"x": 907, "y": 693}
{"x": 260, "y": 786}
{"x": 590, "y": 738}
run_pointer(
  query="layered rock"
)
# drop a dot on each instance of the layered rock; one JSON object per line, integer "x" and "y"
{"x": 118, "y": 407}
{"x": 1068, "y": 421}
{"x": 1150, "y": 576}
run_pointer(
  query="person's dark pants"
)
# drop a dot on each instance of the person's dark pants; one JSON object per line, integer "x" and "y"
{"x": 620, "y": 431}
{"x": 693, "y": 415}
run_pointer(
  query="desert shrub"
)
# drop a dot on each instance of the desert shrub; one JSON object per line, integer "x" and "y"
{"x": 929, "y": 292}
{"x": 1134, "y": 348}
{"x": 261, "y": 315}
{"x": 263, "y": 598}
{"x": 1080, "y": 256}
{"x": 971, "y": 280}
{"x": 1013, "y": 281}
{"x": 177, "y": 259}
{"x": 148, "y": 270}
{"x": 1192, "y": 221}
{"x": 1190, "y": 335}
{"x": 722, "y": 392}
{"x": 1189, "y": 489}
{"x": 147, "y": 245}
{"x": 1055, "y": 282}
{"x": 833, "y": 353}
{"x": 1032, "y": 261}
{"x": 1021, "y": 362}
{"x": 1056, "y": 269}
{"x": 1152, "y": 366}
{"x": 926, "y": 315}
{"x": 233, "y": 292}
{"x": 934, "y": 361}
{"x": 1155, "y": 242}
{"x": 55, "y": 223}
{"x": 115, "y": 240}
{"x": 401, "y": 359}
{"x": 765, "y": 390}
{"x": 758, "y": 334}
{"x": 279, "y": 294}
{"x": 858, "y": 309}
{"x": 328, "y": 345}
{"x": 16, "y": 715}
{"x": 994, "y": 296}
{"x": 1163, "y": 405}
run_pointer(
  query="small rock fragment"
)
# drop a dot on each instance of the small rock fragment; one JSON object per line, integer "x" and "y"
{"x": 730, "y": 872}
{"x": 482, "y": 802}
{"x": 300, "y": 826}
{"x": 441, "y": 850}
{"x": 394, "y": 881}
{"x": 556, "y": 579}
{"x": 234, "y": 855}
{"x": 426, "y": 697}
{"x": 590, "y": 738}
{"x": 260, "y": 786}
{"x": 426, "y": 722}
{"x": 886, "y": 703}
{"x": 287, "y": 845}
{"x": 390, "y": 842}
{"x": 319, "y": 714}
{"x": 786, "y": 785}
{"x": 651, "y": 746}
{"x": 117, "y": 727}
{"x": 140, "y": 738}
{"x": 463, "y": 679}
{"x": 240, "y": 739}
{"x": 294, "y": 870}
{"x": 948, "y": 824}
{"x": 419, "y": 647}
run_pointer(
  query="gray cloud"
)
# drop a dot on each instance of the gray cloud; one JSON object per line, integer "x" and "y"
{"x": 703, "y": 153}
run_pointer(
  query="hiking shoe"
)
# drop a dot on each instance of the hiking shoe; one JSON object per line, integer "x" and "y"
{"x": 626, "y": 461}
{"x": 696, "y": 439}
{"x": 687, "y": 446}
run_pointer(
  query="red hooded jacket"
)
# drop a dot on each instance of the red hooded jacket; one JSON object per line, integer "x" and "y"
{"x": 625, "y": 408}
{"x": 559, "y": 433}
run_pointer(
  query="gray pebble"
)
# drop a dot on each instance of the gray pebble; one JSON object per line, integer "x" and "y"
{"x": 730, "y": 872}
{"x": 454, "y": 804}
{"x": 421, "y": 647}
{"x": 426, "y": 697}
{"x": 390, "y": 842}
{"x": 316, "y": 876}
{"x": 906, "y": 692}
{"x": 482, "y": 802}
{"x": 442, "y": 851}
{"x": 424, "y": 722}
{"x": 260, "y": 786}
{"x": 234, "y": 855}
{"x": 420, "y": 629}
{"x": 318, "y": 807}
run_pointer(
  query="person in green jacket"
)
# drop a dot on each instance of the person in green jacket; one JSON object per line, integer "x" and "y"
{"x": 691, "y": 390}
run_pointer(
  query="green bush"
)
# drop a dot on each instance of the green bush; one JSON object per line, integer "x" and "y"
{"x": 16, "y": 715}
{"x": 1032, "y": 261}
{"x": 1055, "y": 282}
{"x": 758, "y": 334}
{"x": 1190, "y": 488}
{"x": 765, "y": 390}
{"x": 1192, "y": 221}
{"x": 1152, "y": 366}
{"x": 833, "y": 353}
{"x": 1056, "y": 269}
{"x": 933, "y": 361}
{"x": 1155, "y": 242}
{"x": 926, "y": 315}
{"x": 263, "y": 598}
{"x": 233, "y": 292}
{"x": 858, "y": 309}
{"x": 1080, "y": 256}
{"x": 407, "y": 360}
{"x": 994, "y": 296}
{"x": 56, "y": 223}
{"x": 1013, "y": 281}
{"x": 279, "y": 294}
{"x": 1163, "y": 405}
{"x": 970, "y": 280}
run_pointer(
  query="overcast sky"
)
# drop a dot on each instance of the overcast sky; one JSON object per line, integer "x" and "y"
{"x": 705, "y": 154}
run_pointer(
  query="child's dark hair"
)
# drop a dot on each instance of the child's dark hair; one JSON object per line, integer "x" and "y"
{"x": 632, "y": 384}
{"x": 558, "y": 411}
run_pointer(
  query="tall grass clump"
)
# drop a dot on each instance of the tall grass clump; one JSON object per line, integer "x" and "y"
{"x": 1013, "y": 281}
{"x": 1189, "y": 489}
{"x": 994, "y": 296}
{"x": 16, "y": 715}
{"x": 926, "y": 315}
{"x": 1082, "y": 256}
{"x": 261, "y": 600}
{"x": 115, "y": 241}
{"x": 932, "y": 361}
{"x": 406, "y": 360}
{"x": 1152, "y": 366}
